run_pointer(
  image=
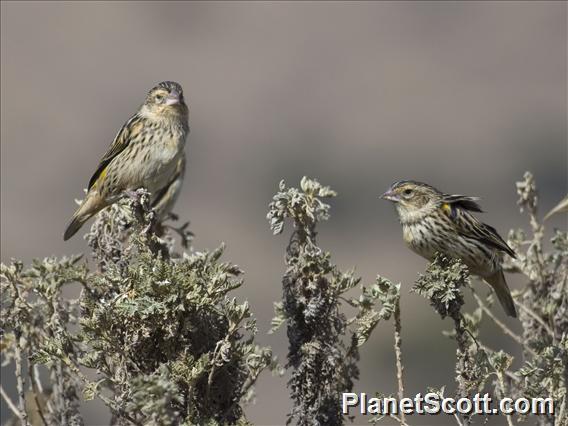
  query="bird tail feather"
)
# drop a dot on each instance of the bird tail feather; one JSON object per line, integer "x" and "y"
{"x": 90, "y": 206}
{"x": 498, "y": 283}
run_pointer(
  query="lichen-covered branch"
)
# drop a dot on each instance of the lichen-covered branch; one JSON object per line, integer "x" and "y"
{"x": 442, "y": 285}
{"x": 322, "y": 350}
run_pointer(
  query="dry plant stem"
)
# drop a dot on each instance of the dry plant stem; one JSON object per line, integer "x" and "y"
{"x": 503, "y": 393}
{"x": 398, "y": 354}
{"x": 37, "y": 380}
{"x": 538, "y": 231}
{"x": 217, "y": 354}
{"x": 57, "y": 371}
{"x": 36, "y": 389}
{"x": 10, "y": 403}
{"x": 394, "y": 416}
{"x": 251, "y": 381}
{"x": 106, "y": 400}
{"x": 559, "y": 421}
{"x": 537, "y": 319}
{"x": 20, "y": 379}
{"x": 458, "y": 421}
{"x": 461, "y": 339}
{"x": 212, "y": 372}
{"x": 503, "y": 327}
{"x": 507, "y": 372}
{"x": 56, "y": 399}
{"x": 62, "y": 408}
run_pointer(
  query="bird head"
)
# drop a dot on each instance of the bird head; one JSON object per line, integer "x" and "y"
{"x": 413, "y": 199}
{"x": 165, "y": 100}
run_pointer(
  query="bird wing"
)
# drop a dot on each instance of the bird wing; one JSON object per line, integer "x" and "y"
{"x": 120, "y": 142}
{"x": 469, "y": 226}
{"x": 463, "y": 201}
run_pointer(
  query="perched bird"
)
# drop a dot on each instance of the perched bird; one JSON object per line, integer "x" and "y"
{"x": 434, "y": 222}
{"x": 148, "y": 152}
{"x": 562, "y": 206}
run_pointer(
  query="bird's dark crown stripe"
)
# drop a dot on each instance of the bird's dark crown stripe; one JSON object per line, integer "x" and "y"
{"x": 169, "y": 86}
{"x": 400, "y": 183}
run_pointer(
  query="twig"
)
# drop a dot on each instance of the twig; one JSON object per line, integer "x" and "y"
{"x": 40, "y": 390}
{"x": 115, "y": 410}
{"x": 20, "y": 378}
{"x": 56, "y": 368}
{"x": 459, "y": 422}
{"x": 533, "y": 314}
{"x": 36, "y": 389}
{"x": 10, "y": 403}
{"x": 394, "y": 416}
{"x": 250, "y": 382}
{"x": 461, "y": 341}
{"x": 559, "y": 420}
{"x": 398, "y": 355}
{"x": 507, "y": 372}
{"x": 503, "y": 327}
{"x": 214, "y": 364}
{"x": 37, "y": 379}
{"x": 538, "y": 232}
{"x": 62, "y": 396}
{"x": 503, "y": 393}
{"x": 463, "y": 356}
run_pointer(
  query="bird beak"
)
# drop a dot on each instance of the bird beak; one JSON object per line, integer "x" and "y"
{"x": 390, "y": 196}
{"x": 173, "y": 98}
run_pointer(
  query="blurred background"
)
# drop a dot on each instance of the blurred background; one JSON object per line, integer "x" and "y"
{"x": 463, "y": 95}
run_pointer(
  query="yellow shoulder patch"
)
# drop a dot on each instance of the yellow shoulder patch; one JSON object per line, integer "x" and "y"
{"x": 447, "y": 208}
{"x": 101, "y": 177}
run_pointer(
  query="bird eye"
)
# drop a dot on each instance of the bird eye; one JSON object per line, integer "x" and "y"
{"x": 159, "y": 98}
{"x": 407, "y": 192}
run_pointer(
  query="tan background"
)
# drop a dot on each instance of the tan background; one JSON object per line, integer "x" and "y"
{"x": 466, "y": 96}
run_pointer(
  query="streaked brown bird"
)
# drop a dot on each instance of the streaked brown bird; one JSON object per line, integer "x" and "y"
{"x": 147, "y": 152}
{"x": 435, "y": 222}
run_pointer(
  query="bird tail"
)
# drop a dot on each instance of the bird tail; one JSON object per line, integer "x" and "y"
{"x": 561, "y": 207}
{"x": 498, "y": 283}
{"x": 90, "y": 206}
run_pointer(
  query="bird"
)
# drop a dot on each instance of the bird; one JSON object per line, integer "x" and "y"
{"x": 561, "y": 207}
{"x": 434, "y": 222}
{"x": 147, "y": 152}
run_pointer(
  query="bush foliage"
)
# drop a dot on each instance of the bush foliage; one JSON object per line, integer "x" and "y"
{"x": 156, "y": 335}
{"x": 165, "y": 341}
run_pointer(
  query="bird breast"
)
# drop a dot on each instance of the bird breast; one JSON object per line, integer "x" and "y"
{"x": 158, "y": 160}
{"x": 431, "y": 236}
{"x": 168, "y": 149}
{"x": 417, "y": 237}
